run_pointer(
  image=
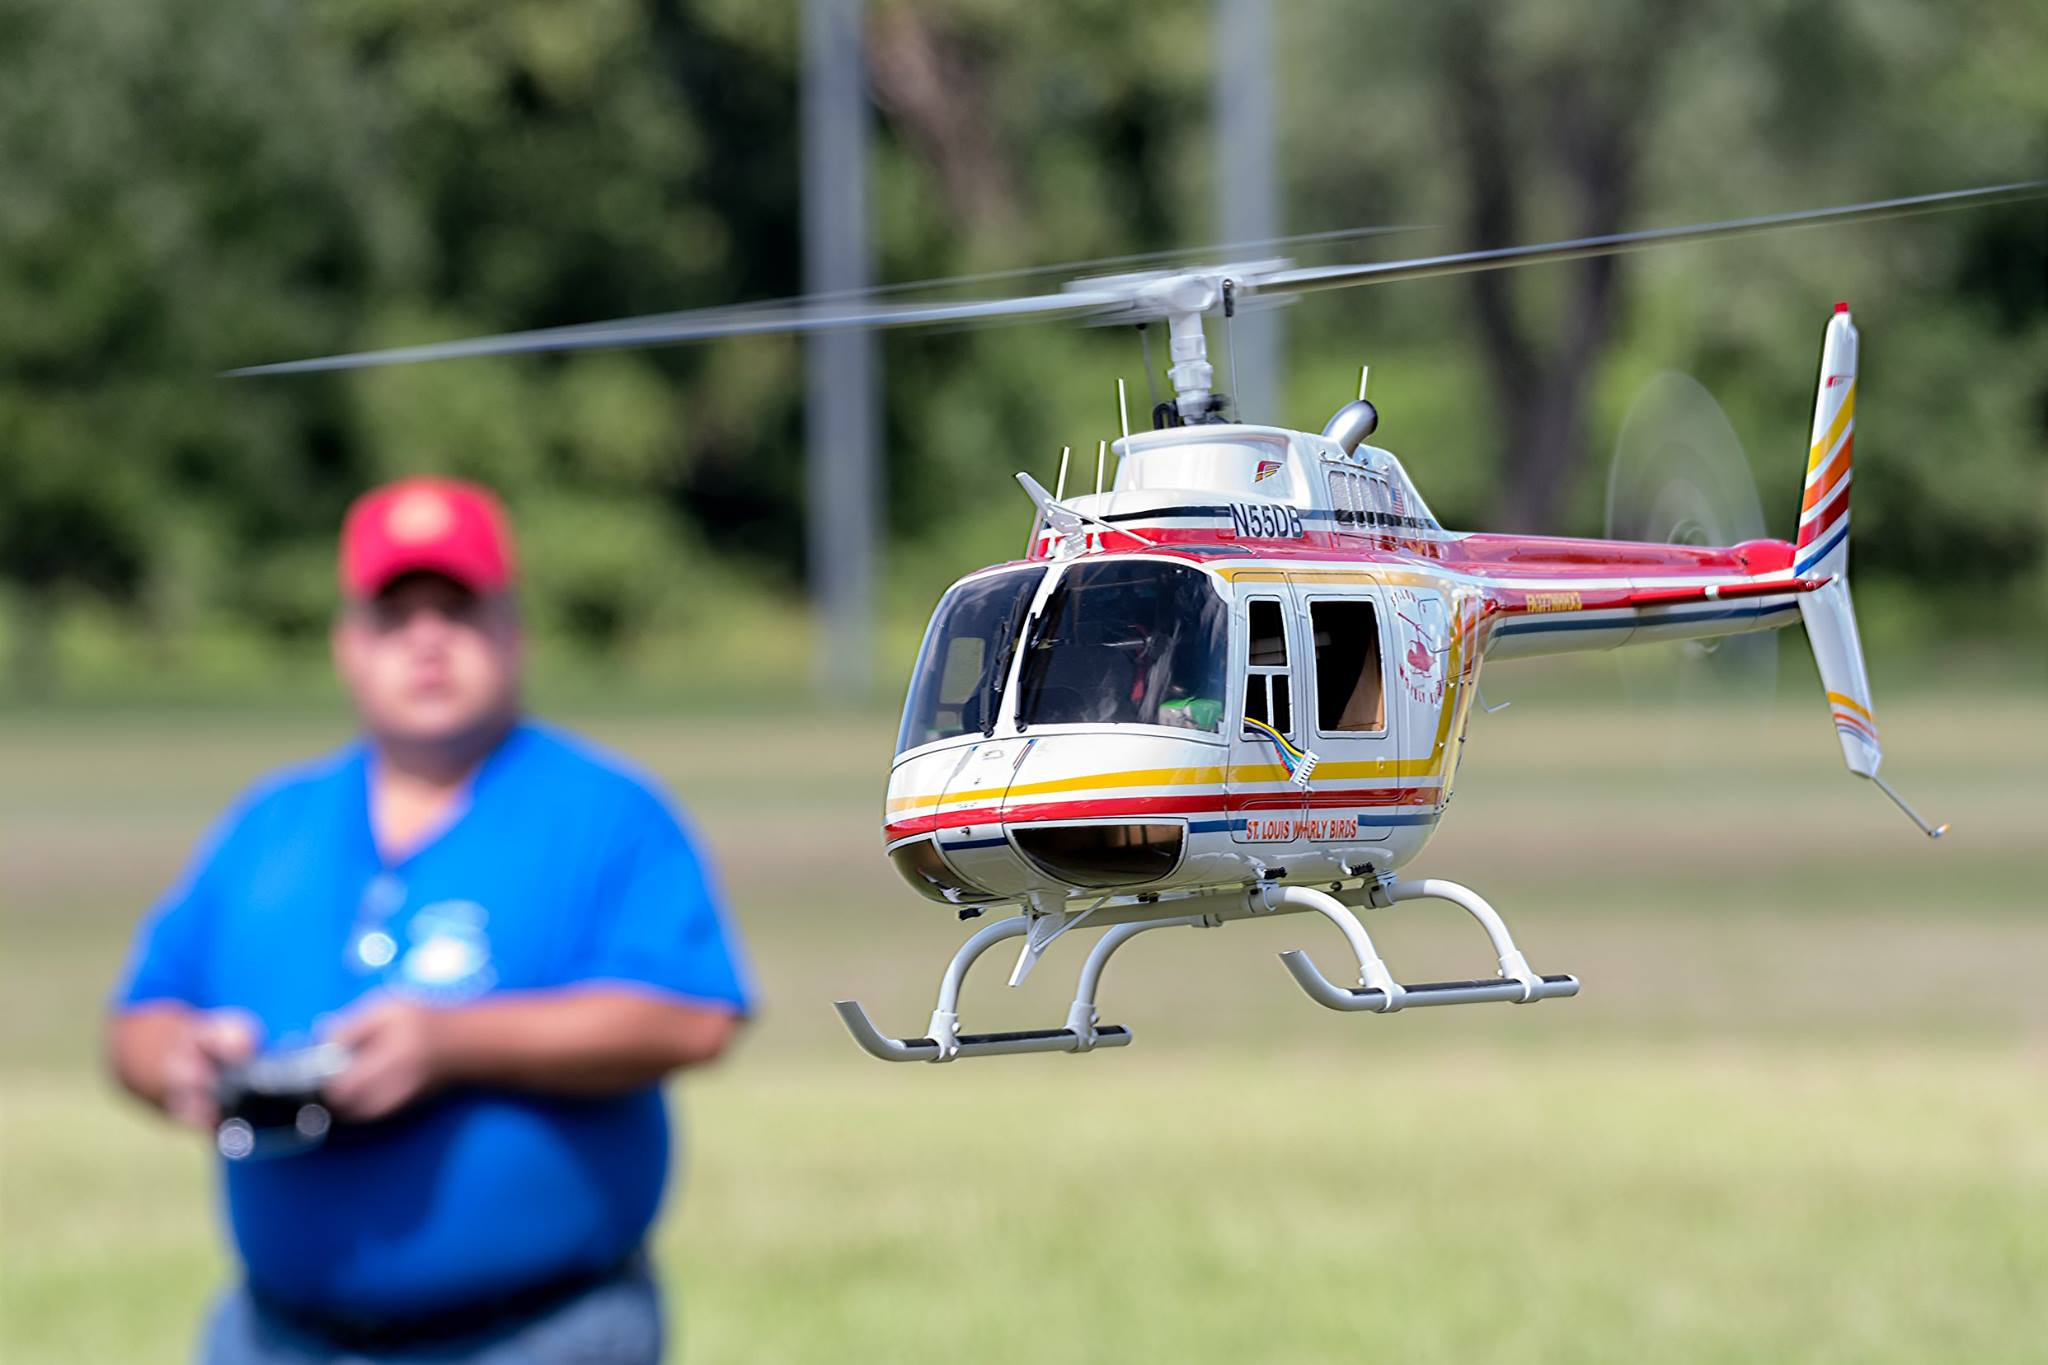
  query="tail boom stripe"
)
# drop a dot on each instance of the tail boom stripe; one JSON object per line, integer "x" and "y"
{"x": 1820, "y": 485}
{"x": 1844, "y": 415}
{"x": 1836, "y": 510}
{"x": 1815, "y": 510}
{"x": 1852, "y": 704}
{"x": 1820, "y": 551}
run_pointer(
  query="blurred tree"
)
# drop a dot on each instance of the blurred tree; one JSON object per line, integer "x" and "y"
{"x": 185, "y": 185}
{"x": 1534, "y": 107}
{"x": 1507, "y": 123}
{"x": 191, "y": 186}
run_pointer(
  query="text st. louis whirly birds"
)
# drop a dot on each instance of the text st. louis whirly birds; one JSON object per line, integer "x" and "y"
{"x": 1235, "y": 682}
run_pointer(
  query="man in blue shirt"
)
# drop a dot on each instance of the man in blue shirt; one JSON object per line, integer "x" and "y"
{"x": 513, "y": 939}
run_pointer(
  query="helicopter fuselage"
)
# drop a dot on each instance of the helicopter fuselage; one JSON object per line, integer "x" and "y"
{"x": 1256, "y": 664}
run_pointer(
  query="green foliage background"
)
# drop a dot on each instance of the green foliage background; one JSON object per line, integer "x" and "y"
{"x": 192, "y": 186}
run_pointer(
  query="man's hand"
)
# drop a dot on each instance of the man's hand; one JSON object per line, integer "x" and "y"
{"x": 397, "y": 1054}
{"x": 171, "y": 1055}
{"x": 569, "y": 1041}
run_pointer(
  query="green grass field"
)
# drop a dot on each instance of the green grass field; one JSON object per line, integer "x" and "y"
{"x": 1800, "y": 1111}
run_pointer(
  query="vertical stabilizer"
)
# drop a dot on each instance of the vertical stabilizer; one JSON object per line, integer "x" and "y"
{"x": 1822, "y": 551}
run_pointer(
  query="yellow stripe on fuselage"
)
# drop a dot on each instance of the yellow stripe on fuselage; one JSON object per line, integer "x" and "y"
{"x": 1266, "y": 575}
{"x": 1135, "y": 777}
{"x": 1168, "y": 779}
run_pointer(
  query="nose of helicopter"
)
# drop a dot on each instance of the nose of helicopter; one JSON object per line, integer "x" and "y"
{"x": 1103, "y": 808}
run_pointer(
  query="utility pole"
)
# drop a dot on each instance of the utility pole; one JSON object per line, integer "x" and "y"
{"x": 842, "y": 485}
{"x": 1248, "y": 204}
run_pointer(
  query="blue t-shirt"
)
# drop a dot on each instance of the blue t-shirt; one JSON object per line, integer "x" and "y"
{"x": 562, "y": 868}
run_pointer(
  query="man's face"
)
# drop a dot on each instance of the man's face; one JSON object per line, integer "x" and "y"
{"x": 429, "y": 661}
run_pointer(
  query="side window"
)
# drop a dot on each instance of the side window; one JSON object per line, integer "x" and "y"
{"x": 1350, "y": 675}
{"x": 959, "y": 678}
{"x": 1266, "y": 698}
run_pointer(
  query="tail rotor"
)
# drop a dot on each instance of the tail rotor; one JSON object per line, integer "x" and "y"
{"x": 1680, "y": 477}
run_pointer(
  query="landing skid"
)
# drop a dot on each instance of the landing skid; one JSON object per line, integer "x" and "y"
{"x": 1377, "y": 991}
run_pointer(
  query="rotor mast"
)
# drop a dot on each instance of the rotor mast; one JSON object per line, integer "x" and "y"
{"x": 1187, "y": 342}
{"x": 1182, "y": 299}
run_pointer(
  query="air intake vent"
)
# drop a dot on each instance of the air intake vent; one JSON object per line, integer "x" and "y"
{"x": 1103, "y": 855}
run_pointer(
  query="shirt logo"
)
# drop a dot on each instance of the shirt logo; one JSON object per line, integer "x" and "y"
{"x": 450, "y": 956}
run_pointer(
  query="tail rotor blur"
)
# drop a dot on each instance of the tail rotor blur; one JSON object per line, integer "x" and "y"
{"x": 1680, "y": 476}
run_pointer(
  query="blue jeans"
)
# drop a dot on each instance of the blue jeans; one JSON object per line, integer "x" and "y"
{"x": 616, "y": 1321}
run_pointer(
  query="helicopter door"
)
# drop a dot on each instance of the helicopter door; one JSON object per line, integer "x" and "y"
{"x": 1264, "y": 804}
{"x": 1427, "y": 680}
{"x": 1359, "y": 790}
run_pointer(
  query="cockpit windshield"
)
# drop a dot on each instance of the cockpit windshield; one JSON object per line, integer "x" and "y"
{"x": 1127, "y": 641}
{"x": 958, "y": 686}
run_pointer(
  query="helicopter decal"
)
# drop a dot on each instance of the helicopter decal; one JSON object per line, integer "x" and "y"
{"x": 1090, "y": 733}
{"x": 1265, "y": 521}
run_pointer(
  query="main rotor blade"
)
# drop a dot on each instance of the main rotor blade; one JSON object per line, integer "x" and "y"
{"x": 1134, "y": 295}
{"x": 1311, "y": 278}
{"x": 811, "y": 313}
{"x": 1194, "y": 256}
{"x": 661, "y": 329}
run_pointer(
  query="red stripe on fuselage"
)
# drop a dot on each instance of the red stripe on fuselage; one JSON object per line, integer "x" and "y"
{"x": 1555, "y": 560}
{"x": 1210, "y": 803}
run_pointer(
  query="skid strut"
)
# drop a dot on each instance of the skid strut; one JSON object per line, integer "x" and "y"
{"x": 1377, "y": 990}
{"x": 944, "y": 1041}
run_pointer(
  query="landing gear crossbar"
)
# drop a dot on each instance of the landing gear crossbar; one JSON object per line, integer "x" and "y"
{"x": 1377, "y": 991}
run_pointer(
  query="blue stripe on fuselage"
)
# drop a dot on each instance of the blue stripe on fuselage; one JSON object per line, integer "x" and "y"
{"x": 1531, "y": 625}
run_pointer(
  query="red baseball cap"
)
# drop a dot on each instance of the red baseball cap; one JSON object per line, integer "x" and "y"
{"x": 426, "y": 525}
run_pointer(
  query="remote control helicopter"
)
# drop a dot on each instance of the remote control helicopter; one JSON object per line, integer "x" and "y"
{"x": 1233, "y": 680}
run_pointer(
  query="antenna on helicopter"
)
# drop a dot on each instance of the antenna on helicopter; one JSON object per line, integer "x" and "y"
{"x": 1060, "y": 490}
{"x": 1123, "y": 413}
{"x": 1151, "y": 375}
{"x": 1101, "y": 454}
{"x": 1230, "y": 333}
{"x": 1364, "y": 373}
